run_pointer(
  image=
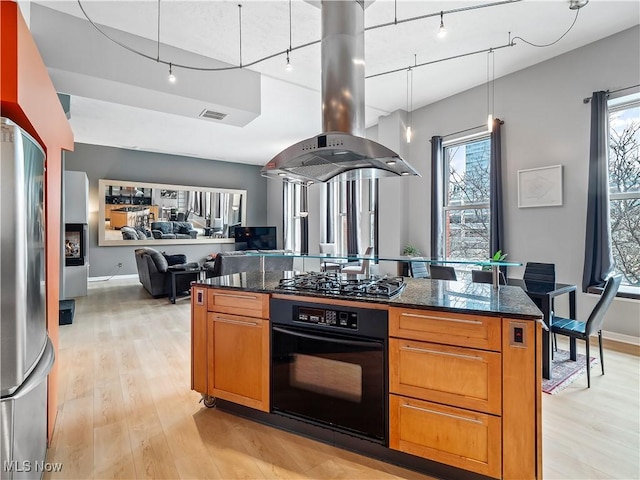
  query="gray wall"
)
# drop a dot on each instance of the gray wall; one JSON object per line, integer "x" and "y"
{"x": 120, "y": 164}
{"x": 546, "y": 123}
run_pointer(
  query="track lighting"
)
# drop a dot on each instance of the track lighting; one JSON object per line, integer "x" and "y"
{"x": 172, "y": 77}
{"x": 577, "y": 4}
{"x": 442, "y": 31}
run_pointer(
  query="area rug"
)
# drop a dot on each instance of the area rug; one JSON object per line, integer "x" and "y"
{"x": 565, "y": 371}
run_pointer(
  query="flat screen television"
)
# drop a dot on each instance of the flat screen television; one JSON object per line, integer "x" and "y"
{"x": 255, "y": 238}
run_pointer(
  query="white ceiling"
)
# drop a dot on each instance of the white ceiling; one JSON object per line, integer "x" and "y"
{"x": 289, "y": 106}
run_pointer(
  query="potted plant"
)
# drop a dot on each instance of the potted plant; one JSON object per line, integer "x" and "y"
{"x": 408, "y": 251}
{"x": 485, "y": 275}
{"x": 496, "y": 257}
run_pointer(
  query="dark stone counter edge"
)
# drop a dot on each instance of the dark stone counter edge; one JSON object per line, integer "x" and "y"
{"x": 390, "y": 303}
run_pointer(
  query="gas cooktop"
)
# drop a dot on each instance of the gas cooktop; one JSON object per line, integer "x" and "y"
{"x": 333, "y": 283}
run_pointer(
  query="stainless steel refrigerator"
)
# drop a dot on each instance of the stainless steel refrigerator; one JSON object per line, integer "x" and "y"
{"x": 26, "y": 353}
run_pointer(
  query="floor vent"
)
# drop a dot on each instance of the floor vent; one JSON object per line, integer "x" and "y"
{"x": 212, "y": 115}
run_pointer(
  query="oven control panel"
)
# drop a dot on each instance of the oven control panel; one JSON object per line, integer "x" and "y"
{"x": 326, "y": 317}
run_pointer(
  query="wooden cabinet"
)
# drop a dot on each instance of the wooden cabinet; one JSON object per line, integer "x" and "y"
{"x": 238, "y": 350}
{"x": 444, "y": 327}
{"x": 463, "y": 377}
{"x": 108, "y": 208}
{"x": 462, "y": 438}
{"x": 230, "y": 346}
{"x": 199, "y": 356}
{"x": 445, "y": 384}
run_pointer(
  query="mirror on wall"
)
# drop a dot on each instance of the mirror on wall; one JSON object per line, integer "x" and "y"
{"x": 160, "y": 214}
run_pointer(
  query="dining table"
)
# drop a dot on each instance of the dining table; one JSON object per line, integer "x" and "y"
{"x": 543, "y": 295}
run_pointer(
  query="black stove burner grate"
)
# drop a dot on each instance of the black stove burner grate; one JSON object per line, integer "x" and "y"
{"x": 332, "y": 283}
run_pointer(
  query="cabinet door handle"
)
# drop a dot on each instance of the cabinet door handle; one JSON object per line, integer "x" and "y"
{"x": 429, "y": 317}
{"x": 436, "y": 352}
{"x": 230, "y": 295}
{"x": 450, "y": 415}
{"x": 235, "y": 322}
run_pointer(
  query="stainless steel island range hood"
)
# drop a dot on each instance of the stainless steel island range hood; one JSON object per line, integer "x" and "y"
{"x": 341, "y": 153}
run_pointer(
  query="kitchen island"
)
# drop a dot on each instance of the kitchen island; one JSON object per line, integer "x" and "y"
{"x": 451, "y": 386}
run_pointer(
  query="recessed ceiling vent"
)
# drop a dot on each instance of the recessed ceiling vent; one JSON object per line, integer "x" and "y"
{"x": 212, "y": 115}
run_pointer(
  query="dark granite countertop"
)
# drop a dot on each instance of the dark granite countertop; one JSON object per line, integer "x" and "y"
{"x": 461, "y": 297}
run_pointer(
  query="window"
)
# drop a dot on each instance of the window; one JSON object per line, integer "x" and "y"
{"x": 351, "y": 212}
{"x": 624, "y": 186}
{"x": 466, "y": 198}
{"x": 295, "y": 221}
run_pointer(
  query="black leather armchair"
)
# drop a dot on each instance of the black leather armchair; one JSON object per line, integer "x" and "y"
{"x": 154, "y": 273}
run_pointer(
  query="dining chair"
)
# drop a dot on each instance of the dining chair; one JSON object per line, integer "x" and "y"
{"x": 418, "y": 268}
{"x": 576, "y": 329}
{"x": 540, "y": 272}
{"x": 329, "y": 249}
{"x": 362, "y": 268}
{"x": 442, "y": 272}
{"x": 486, "y": 276}
{"x": 217, "y": 230}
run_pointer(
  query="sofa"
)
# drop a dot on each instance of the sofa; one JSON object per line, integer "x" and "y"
{"x": 226, "y": 263}
{"x": 154, "y": 271}
{"x": 135, "y": 233}
{"x": 171, "y": 230}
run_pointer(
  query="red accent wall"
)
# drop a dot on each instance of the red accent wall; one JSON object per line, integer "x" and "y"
{"x": 28, "y": 97}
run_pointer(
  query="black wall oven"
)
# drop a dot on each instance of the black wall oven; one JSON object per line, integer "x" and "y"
{"x": 329, "y": 366}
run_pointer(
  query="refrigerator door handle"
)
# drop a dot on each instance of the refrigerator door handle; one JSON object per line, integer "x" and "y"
{"x": 39, "y": 374}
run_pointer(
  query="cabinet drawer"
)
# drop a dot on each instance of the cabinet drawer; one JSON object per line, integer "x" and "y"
{"x": 238, "y": 303}
{"x": 448, "y": 435}
{"x": 457, "y": 376}
{"x": 443, "y": 327}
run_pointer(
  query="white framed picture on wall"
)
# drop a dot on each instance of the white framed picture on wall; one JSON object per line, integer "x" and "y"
{"x": 540, "y": 187}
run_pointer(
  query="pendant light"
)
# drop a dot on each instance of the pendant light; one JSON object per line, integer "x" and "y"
{"x": 172, "y": 77}
{"x": 288, "y": 66}
{"x": 490, "y": 88}
{"x": 409, "y": 132}
{"x": 442, "y": 31}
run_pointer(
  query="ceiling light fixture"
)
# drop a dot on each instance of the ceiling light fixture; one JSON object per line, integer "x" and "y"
{"x": 289, "y": 67}
{"x": 240, "y": 28}
{"x": 172, "y": 77}
{"x": 490, "y": 88}
{"x": 409, "y": 132}
{"x": 442, "y": 31}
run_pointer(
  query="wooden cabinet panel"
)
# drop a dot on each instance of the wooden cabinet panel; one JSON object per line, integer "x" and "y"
{"x": 449, "y": 435}
{"x": 457, "y": 376}
{"x": 239, "y": 359}
{"x": 199, "y": 358}
{"x": 448, "y": 328}
{"x": 522, "y": 406}
{"x": 239, "y": 303}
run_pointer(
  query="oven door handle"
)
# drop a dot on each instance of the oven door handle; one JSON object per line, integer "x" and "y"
{"x": 355, "y": 343}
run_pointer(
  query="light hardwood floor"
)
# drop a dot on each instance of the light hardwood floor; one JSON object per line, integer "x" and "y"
{"x": 126, "y": 409}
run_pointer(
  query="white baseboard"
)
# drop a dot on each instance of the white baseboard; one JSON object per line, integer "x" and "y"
{"x": 620, "y": 337}
{"x": 105, "y": 278}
